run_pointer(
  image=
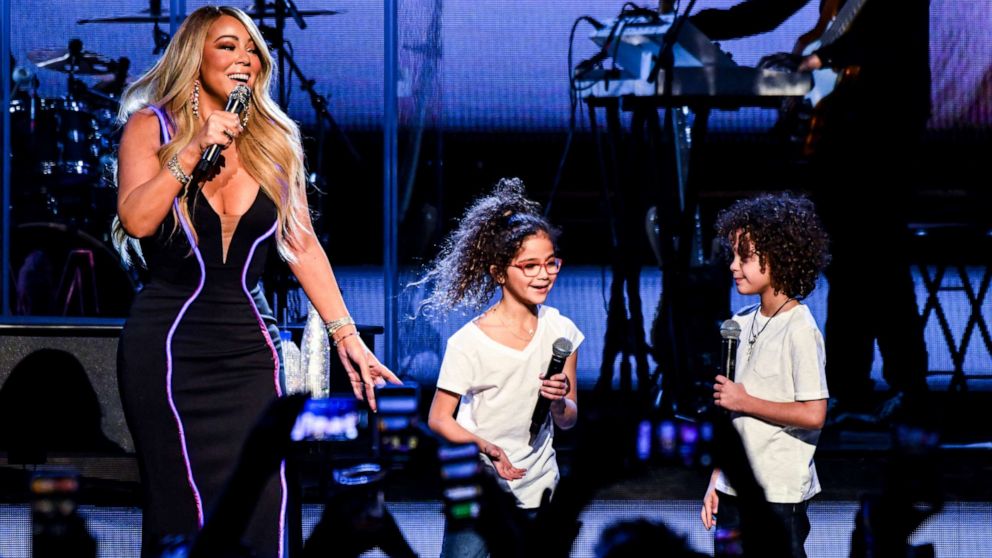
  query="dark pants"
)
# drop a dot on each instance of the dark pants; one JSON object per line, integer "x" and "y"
{"x": 792, "y": 516}
{"x": 872, "y": 295}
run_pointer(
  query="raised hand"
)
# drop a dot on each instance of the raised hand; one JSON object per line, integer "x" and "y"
{"x": 221, "y": 128}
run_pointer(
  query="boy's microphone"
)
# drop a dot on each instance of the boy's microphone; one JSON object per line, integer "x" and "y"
{"x": 236, "y": 103}
{"x": 731, "y": 333}
{"x": 559, "y": 352}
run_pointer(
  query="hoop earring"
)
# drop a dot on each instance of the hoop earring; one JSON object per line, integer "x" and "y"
{"x": 196, "y": 99}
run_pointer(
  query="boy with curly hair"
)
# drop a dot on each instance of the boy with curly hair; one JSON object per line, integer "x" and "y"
{"x": 778, "y": 402}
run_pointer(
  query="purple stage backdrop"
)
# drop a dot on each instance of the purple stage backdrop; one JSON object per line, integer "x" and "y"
{"x": 504, "y": 61}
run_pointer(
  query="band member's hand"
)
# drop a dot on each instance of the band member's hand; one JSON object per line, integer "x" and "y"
{"x": 810, "y": 63}
{"x": 781, "y": 61}
{"x": 729, "y": 395}
{"x": 221, "y": 128}
{"x": 501, "y": 462}
{"x": 364, "y": 370}
{"x": 556, "y": 387}
{"x": 711, "y": 502}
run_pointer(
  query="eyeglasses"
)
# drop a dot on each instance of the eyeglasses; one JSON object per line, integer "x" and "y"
{"x": 533, "y": 269}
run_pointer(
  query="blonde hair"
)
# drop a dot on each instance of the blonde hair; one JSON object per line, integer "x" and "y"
{"x": 270, "y": 147}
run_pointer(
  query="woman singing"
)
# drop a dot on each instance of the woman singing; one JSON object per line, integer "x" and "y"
{"x": 196, "y": 364}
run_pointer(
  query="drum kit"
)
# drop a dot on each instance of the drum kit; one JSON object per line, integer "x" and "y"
{"x": 63, "y": 147}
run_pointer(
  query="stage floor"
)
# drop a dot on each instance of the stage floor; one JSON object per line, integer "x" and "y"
{"x": 959, "y": 531}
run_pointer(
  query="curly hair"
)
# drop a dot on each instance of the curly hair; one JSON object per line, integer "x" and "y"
{"x": 783, "y": 230}
{"x": 489, "y": 235}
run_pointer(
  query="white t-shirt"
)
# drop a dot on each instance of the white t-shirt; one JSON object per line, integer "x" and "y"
{"x": 785, "y": 364}
{"x": 499, "y": 388}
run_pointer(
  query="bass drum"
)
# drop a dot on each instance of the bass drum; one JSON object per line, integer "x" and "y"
{"x": 61, "y": 271}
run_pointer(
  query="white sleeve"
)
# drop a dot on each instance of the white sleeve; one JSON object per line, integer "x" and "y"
{"x": 571, "y": 332}
{"x": 457, "y": 371}
{"x": 808, "y": 364}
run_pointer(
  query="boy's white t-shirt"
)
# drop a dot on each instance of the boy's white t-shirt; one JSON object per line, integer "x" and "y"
{"x": 499, "y": 388}
{"x": 786, "y": 364}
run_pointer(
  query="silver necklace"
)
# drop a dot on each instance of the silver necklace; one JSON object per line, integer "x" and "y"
{"x": 752, "y": 337}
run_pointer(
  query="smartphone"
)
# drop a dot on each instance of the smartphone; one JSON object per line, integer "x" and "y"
{"x": 397, "y": 422}
{"x": 331, "y": 419}
{"x": 461, "y": 471}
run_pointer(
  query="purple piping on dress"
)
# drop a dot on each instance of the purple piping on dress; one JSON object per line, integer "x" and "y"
{"x": 163, "y": 123}
{"x": 275, "y": 360}
{"x": 168, "y": 361}
{"x": 166, "y": 137}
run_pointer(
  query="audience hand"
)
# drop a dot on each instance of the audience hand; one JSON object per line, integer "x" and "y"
{"x": 353, "y": 523}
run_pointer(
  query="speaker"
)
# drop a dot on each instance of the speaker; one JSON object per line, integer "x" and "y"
{"x": 58, "y": 390}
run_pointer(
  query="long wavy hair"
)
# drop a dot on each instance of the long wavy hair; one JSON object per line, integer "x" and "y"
{"x": 270, "y": 147}
{"x": 474, "y": 257}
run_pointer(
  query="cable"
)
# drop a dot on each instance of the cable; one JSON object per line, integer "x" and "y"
{"x": 573, "y": 101}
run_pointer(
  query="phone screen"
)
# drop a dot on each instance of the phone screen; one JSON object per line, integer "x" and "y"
{"x": 397, "y": 422}
{"x": 333, "y": 419}
{"x": 460, "y": 476}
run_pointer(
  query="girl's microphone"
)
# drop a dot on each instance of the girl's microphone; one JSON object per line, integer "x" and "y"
{"x": 560, "y": 351}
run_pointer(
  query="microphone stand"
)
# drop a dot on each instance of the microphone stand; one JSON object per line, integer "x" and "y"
{"x": 317, "y": 101}
{"x": 275, "y": 36}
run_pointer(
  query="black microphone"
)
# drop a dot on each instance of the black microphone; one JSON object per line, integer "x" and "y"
{"x": 731, "y": 333}
{"x": 559, "y": 352}
{"x": 236, "y": 103}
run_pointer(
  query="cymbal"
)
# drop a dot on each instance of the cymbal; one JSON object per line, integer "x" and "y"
{"x": 85, "y": 63}
{"x": 164, "y": 18}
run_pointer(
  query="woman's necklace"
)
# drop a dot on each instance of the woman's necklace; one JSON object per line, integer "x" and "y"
{"x": 752, "y": 338}
{"x": 530, "y": 332}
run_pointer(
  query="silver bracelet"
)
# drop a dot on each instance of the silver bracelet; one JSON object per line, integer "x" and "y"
{"x": 177, "y": 171}
{"x": 334, "y": 325}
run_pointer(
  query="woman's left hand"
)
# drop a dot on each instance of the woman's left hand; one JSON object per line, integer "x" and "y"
{"x": 556, "y": 387}
{"x": 363, "y": 368}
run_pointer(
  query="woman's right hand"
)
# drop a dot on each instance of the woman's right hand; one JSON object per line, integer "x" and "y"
{"x": 221, "y": 128}
{"x": 501, "y": 462}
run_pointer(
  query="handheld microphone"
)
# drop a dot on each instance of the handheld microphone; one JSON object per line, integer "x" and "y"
{"x": 236, "y": 103}
{"x": 731, "y": 333}
{"x": 560, "y": 351}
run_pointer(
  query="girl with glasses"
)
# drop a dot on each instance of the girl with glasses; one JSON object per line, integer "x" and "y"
{"x": 493, "y": 367}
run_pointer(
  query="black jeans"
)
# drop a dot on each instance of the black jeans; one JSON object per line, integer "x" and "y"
{"x": 793, "y": 516}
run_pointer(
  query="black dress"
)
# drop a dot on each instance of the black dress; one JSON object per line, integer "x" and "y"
{"x": 196, "y": 367}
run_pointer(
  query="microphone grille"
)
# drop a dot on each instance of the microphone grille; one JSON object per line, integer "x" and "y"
{"x": 562, "y": 347}
{"x": 242, "y": 94}
{"x": 730, "y": 329}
